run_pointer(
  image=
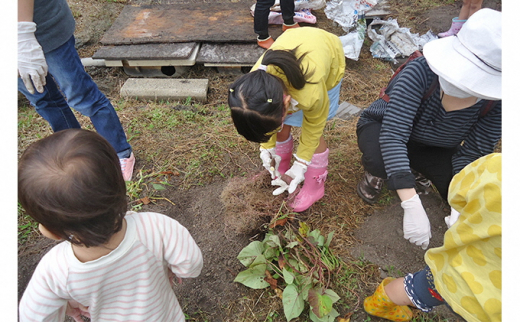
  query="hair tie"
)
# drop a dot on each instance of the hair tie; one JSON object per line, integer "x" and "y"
{"x": 270, "y": 100}
{"x": 231, "y": 90}
{"x": 262, "y": 67}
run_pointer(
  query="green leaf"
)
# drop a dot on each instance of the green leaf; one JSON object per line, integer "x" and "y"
{"x": 321, "y": 304}
{"x": 306, "y": 285}
{"x": 250, "y": 253}
{"x": 316, "y": 238}
{"x": 315, "y": 234}
{"x": 332, "y": 294}
{"x": 321, "y": 241}
{"x": 158, "y": 186}
{"x": 288, "y": 276}
{"x": 292, "y": 244}
{"x": 329, "y": 239}
{"x": 253, "y": 277}
{"x": 327, "y": 318}
{"x": 271, "y": 253}
{"x": 292, "y": 302}
{"x": 273, "y": 241}
{"x": 298, "y": 265}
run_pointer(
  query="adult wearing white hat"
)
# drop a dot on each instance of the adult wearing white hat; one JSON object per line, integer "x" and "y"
{"x": 439, "y": 134}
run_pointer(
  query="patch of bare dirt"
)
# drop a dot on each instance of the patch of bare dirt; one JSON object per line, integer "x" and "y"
{"x": 371, "y": 233}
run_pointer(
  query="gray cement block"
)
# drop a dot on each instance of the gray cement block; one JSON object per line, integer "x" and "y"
{"x": 346, "y": 110}
{"x": 165, "y": 89}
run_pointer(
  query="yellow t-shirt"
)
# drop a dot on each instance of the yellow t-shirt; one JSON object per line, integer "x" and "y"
{"x": 467, "y": 269}
{"x": 326, "y": 59}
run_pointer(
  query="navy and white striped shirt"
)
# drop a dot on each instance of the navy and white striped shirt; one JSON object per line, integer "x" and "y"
{"x": 404, "y": 118}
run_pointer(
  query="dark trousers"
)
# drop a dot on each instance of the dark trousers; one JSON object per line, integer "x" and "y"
{"x": 433, "y": 162}
{"x": 262, "y": 10}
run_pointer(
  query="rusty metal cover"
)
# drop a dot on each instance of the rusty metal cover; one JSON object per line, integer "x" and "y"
{"x": 208, "y": 22}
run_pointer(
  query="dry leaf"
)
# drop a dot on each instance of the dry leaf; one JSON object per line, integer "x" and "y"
{"x": 273, "y": 282}
{"x": 146, "y": 200}
{"x": 281, "y": 261}
{"x": 346, "y": 318}
{"x": 279, "y": 222}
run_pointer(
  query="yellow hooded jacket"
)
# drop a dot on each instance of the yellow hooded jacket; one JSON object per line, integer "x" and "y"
{"x": 326, "y": 59}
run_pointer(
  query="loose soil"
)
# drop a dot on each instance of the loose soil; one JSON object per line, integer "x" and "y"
{"x": 213, "y": 296}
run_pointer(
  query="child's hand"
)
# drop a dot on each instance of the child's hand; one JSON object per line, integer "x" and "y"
{"x": 172, "y": 276}
{"x": 270, "y": 161}
{"x": 76, "y": 310}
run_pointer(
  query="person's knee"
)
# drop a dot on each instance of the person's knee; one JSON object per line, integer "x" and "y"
{"x": 373, "y": 165}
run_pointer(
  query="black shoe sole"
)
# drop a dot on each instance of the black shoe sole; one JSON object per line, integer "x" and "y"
{"x": 363, "y": 197}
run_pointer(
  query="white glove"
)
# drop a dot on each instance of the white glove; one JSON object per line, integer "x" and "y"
{"x": 31, "y": 60}
{"x": 452, "y": 218}
{"x": 279, "y": 182}
{"x": 267, "y": 156}
{"x": 297, "y": 172}
{"x": 416, "y": 225}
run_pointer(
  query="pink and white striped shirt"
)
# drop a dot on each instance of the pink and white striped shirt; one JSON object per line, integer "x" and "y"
{"x": 129, "y": 284}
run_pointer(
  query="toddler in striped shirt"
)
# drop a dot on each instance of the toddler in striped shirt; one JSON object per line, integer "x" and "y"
{"x": 112, "y": 265}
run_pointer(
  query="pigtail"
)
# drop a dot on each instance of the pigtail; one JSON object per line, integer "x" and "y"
{"x": 290, "y": 65}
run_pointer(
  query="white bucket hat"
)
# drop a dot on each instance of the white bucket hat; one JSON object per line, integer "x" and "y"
{"x": 472, "y": 59}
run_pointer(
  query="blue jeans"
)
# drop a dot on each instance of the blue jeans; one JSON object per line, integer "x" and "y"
{"x": 296, "y": 119}
{"x": 68, "y": 84}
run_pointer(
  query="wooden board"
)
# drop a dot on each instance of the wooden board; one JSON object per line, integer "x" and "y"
{"x": 208, "y": 22}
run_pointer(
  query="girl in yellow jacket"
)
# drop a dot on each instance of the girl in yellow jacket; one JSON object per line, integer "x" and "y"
{"x": 294, "y": 83}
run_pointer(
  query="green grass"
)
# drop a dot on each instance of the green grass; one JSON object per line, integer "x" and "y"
{"x": 27, "y": 227}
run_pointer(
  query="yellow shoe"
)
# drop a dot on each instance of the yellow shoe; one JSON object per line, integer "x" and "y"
{"x": 380, "y": 305}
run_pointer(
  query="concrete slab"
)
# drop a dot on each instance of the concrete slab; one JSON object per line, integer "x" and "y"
{"x": 346, "y": 110}
{"x": 229, "y": 54}
{"x": 175, "y": 54}
{"x": 173, "y": 51}
{"x": 165, "y": 89}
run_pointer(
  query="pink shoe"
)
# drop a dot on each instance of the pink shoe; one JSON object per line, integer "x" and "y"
{"x": 284, "y": 149}
{"x": 456, "y": 25}
{"x": 314, "y": 185}
{"x": 127, "y": 166}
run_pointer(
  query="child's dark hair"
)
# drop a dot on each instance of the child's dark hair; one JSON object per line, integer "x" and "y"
{"x": 256, "y": 99}
{"x": 71, "y": 183}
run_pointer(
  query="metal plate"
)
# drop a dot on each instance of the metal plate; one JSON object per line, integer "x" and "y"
{"x": 208, "y": 22}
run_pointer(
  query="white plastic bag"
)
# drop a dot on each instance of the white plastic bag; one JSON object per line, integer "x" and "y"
{"x": 391, "y": 41}
{"x": 347, "y": 12}
{"x": 353, "y": 41}
{"x": 275, "y": 17}
{"x": 301, "y": 4}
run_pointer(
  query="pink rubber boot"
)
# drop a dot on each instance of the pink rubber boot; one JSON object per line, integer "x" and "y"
{"x": 456, "y": 25}
{"x": 314, "y": 185}
{"x": 284, "y": 149}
